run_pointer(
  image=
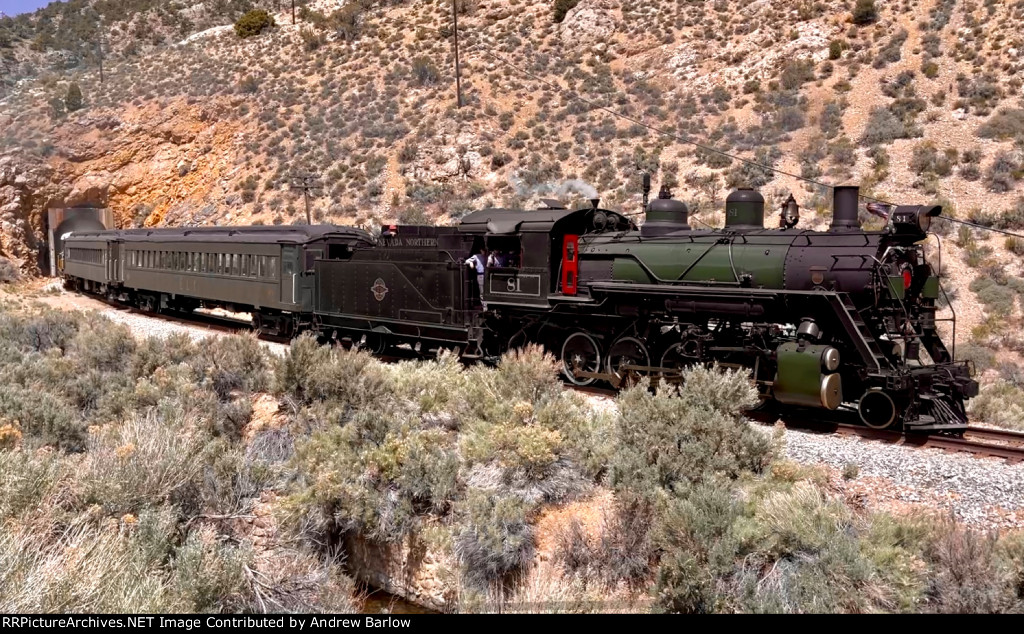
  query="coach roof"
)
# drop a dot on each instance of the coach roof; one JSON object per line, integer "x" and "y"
{"x": 257, "y": 234}
{"x": 507, "y": 221}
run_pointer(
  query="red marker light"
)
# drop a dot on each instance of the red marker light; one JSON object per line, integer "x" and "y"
{"x": 907, "y": 278}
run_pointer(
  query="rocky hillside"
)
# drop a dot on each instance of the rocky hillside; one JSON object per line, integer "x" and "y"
{"x": 193, "y": 124}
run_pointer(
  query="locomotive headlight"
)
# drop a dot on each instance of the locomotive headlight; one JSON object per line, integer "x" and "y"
{"x": 924, "y": 219}
{"x": 914, "y": 218}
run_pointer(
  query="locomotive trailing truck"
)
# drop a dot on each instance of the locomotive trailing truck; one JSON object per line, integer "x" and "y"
{"x": 838, "y": 324}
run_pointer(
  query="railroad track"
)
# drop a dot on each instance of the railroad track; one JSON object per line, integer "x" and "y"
{"x": 982, "y": 442}
{"x": 997, "y": 435}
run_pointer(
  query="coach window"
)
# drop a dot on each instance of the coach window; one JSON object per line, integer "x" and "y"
{"x": 273, "y": 267}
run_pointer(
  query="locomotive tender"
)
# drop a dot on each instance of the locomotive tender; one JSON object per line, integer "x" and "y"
{"x": 838, "y": 324}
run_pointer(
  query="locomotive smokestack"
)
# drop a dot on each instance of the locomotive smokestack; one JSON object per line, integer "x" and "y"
{"x": 595, "y": 202}
{"x": 845, "y": 200}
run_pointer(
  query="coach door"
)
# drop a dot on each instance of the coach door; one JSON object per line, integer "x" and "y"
{"x": 113, "y": 262}
{"x": 289, "y": 274}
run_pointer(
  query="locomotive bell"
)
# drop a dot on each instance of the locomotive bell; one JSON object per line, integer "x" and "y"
{"x": 744, "y": 209}
{"x": 790, "y": 213}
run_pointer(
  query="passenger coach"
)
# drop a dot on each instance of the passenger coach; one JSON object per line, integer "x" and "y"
{"x": 264, "y": 270}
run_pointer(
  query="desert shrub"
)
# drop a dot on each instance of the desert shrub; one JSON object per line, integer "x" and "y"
{"x": 495, "y": 538}
{"x": 695, "y": 538}
{"x": 980, "y": 91}
{"x": 139, "y": 463}
{"x": 831, "y": 121}
{"x": 982, "y": 357}
{"x": 926, "y": 159}
{"x": 1014, "y": 245}
{"x": 969, "y": 576}
{"x": 83, "y": 567}
{"x": 999, "y": 403}
{"x": 253, "y": 23}
{"x": 386, "y": 473}
{"x": 561, "y": 7}
{"x": 45, "y": 419}
{"x": 1008, "y": 123}
{"x": 1002, "y": 174}
{"x": 835, "y": 49}
{"x": 424, "y": 72}
{"x": 892, "y": 50}
{"x": 997, "y": 297}
{"x": 796, "y": 73}
{"x": 686, "y": 434}
{"x": 230, "y": 364}
{"x": 73, "y": 98}
{"x": 754, "y": 174}
{"x": 28, "y": 480}
{"x": 310, "y": 372}
{"x": 8, "y": 271}
{"x": 209, "y": 576}
{"x": 865, "y": 12}
{"x": 884, "y": 126}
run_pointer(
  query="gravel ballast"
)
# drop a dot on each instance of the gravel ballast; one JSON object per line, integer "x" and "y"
{"x": 983, "y": 492}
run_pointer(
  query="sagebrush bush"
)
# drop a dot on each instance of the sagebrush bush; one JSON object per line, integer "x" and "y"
{"x": 1008, "y": 123}
{"x": 687, "y": 434}
{"x": 310, "y": 372}
{"x": 140, "y": 463}
{"x": 111, "y": 449}
{"x": 999, "y": 403}
{"x": 495, "y": 537}
{"x": 8, "y": 271}
{"x": 970, "y": 576}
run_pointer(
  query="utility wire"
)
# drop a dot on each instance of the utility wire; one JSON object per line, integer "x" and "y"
{"x": 983, "y": 227}
{"x": 707, "y": 148}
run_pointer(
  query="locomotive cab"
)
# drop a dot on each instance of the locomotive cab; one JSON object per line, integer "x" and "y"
{"x": 537, "y": 252}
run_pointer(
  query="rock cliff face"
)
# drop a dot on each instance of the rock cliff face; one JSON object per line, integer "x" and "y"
{"x": 161, "y": 163}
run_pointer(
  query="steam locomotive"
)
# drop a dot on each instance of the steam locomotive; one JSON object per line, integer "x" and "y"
{"x": 838, "y": 324}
